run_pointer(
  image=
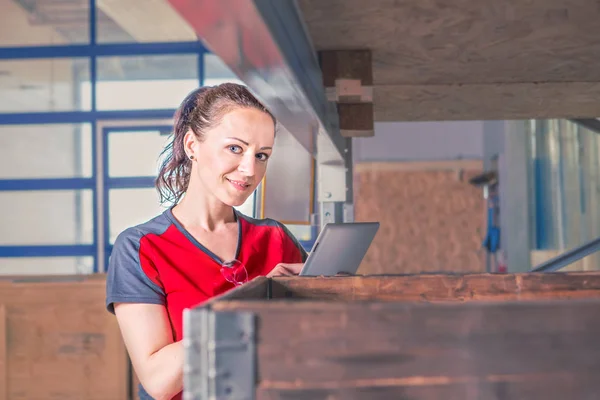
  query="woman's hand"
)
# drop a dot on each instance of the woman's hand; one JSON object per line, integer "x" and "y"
{"x": 283, "y": 269}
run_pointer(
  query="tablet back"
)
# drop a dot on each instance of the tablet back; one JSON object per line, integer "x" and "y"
{"x": 340, "y": 248}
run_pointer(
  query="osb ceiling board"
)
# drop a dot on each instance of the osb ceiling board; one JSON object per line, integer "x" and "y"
{"x": 464, "y": 41}
{"x": 440, "y": 48}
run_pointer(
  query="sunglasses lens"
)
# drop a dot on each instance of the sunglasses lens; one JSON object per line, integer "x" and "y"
{"x": 235, "y": 272}
{"x": 240, "y": 275}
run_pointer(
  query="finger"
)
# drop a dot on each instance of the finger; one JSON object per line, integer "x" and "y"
{"x": 296, "y": 268}
{"x": 286, "y": 271}
{"x": 279, "y": 270}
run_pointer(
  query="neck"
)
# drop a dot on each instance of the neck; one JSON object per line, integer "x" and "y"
{"x": 201, "y": 209}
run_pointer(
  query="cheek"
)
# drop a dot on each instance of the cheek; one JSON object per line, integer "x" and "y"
{"x": 261, "y": 169}
{"x": 217, "y": 165}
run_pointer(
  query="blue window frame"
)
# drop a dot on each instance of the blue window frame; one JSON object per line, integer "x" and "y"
{"x": 91, "y": 51}
{"x": 111, "y": 183}
{"x": 100, "y": 183}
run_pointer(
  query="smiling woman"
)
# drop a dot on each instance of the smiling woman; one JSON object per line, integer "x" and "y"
{"x": 202, "y": 246}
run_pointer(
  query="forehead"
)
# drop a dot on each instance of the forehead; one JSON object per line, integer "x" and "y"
{"x": 249, "y": 124}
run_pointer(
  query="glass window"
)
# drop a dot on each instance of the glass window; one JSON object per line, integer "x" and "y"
{"x": 147, "y": 144}
{"x": 301, "y": 232}
{"x": 45, "y": 151}
{"x": 216, "y": 72}
{"x": 38, "y": 23}
{"x": 43, "y": 85}
{"x": 130, "y": 207}
{"x": 46, "y": 265}
{"x": 46, "y": 217}
{"x": 249, "y": 205}
{"x": 289, "y": 200}
{"x": 143, "y": 21}
{"x": 144, "y": 82}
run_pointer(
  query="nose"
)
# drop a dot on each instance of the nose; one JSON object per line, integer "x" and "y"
{"x": 247, "y": 164}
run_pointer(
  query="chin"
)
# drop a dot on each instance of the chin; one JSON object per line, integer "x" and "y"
{"x": 235, "y": 201}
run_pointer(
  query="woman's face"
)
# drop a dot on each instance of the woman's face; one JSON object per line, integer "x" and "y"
{"x": 231, "y": 160}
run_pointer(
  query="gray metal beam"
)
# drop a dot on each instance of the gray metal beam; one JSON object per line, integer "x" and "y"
{"x": 592, "y": 124}
{"x": 569, "y": 257}
{"x": 265, "y": 44}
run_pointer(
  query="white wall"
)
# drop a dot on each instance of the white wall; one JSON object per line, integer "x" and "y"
{"x": 421, "y": 141}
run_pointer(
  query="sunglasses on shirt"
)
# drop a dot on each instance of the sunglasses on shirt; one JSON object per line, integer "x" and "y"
{"x": 234, "y": 271}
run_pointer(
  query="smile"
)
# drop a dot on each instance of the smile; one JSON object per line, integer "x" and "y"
{"x": 239, "y": 185}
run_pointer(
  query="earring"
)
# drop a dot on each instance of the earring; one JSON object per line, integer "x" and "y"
{"x": 191, "y": 157}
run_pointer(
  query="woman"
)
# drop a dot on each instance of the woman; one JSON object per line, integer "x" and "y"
{"x": 202, "y": 246}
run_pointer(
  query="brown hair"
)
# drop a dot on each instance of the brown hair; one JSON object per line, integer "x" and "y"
{"x": 200, "y": 110}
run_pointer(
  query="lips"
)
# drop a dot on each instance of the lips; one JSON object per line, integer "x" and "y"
{"x": 239, "y": 185}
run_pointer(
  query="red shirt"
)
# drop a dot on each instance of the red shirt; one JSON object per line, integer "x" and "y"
{"x": 159, "y": 262}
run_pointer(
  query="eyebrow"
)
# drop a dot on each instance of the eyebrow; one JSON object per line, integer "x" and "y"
{"x": 248, "y": 144}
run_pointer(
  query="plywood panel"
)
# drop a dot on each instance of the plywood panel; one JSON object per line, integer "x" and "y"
{"x": 60, "y": 336}
{"x": 432, "y": 220}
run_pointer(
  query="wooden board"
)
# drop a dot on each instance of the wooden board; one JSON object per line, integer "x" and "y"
{"x": 486, "y": 101}
{"x": 3, "y": 355}
{"x": 60, "y": 342}
{"x": 533, "y": 350}
{"x": 440, "y": 288}
{"x": 432, "y": 219}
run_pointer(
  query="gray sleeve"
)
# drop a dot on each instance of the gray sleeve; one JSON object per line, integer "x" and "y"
{"x": 129, "y": 273}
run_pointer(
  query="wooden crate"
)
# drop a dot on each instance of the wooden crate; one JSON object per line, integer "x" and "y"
{"x": 480, "y": 336}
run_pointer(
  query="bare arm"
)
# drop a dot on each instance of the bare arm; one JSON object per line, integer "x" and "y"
{"x": 157, "y": 360}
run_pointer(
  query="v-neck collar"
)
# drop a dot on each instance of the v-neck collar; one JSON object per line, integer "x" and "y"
{"x": 204, "y": 249}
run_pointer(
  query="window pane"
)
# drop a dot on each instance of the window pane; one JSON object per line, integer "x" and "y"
{"x": 36, "y": 23}
{"x": 129, "y": 207}
{"x": 145, "y": 82}
{"x": 249, "y": 205}
{"x": 43, "y": 85}
{"x": 301, "y": 232}
{"x": 46, "y": 265}
{"x": 148, "y": 146}
{"x": 46, "y": 217}
{"x": 288, "y": 182}
{"x": 141, "y": 21}
{"x": 216, "y": 72}
{"x": 45, "y": 151}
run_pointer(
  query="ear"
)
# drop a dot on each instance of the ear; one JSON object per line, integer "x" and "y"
{"x": 189, "y": 143}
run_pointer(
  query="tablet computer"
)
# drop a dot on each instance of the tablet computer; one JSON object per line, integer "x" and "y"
{"x": 339, "y": 248}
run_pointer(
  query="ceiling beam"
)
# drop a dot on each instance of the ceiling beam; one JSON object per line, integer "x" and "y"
{"x": 486, "y": 101}
{"x": 264, "y": 43}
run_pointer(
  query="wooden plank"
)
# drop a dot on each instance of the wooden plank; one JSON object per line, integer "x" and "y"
{"x": 485, "y": 350}
{"x": 346, "y": 64}
{"x": 438, "y": 288}
{"x": 486, "y": 101}
{"x": 63, "y": 339}
{"x": 3, "y": 355}
{"x": 502, "y": 387}
{"x": 356, "y": 119}
{"x": 257, "y": 288}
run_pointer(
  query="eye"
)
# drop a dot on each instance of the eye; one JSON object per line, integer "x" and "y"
{"x": 262, "y": 156}
{"x": 235, "y": 149}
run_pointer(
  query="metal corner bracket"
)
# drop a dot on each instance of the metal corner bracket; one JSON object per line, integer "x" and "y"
{"x": 220, "y": 355}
